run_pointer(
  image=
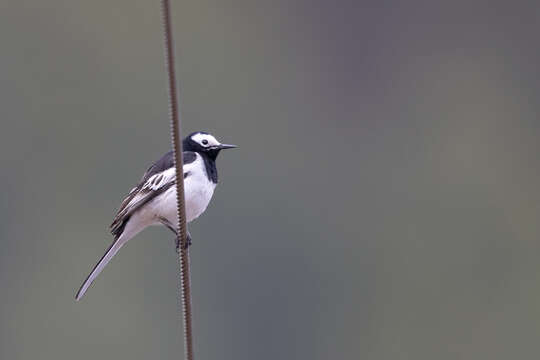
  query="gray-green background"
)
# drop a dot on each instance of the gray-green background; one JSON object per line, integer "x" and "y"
{"x": 383, "y": 204}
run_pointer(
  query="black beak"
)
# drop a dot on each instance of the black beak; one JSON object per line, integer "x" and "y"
{"x": 226, "y": 146}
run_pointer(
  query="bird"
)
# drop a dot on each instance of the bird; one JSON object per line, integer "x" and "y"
{"x": 153, "y": 200}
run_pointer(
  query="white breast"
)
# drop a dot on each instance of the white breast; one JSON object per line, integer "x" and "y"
{"x": 198, "y": 191}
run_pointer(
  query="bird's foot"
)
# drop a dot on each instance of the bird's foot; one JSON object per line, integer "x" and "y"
{"x": 178, "y": 245}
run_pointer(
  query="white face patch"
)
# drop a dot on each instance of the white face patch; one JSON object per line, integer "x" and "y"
{"x": 205, "y": 140}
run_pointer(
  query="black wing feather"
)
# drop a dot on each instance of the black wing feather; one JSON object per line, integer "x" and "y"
{"x": 124, "y": 212}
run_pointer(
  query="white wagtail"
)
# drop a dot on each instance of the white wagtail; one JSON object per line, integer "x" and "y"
{"x": 153, "y": 200}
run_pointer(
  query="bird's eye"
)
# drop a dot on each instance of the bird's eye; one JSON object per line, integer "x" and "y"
{"x": 205, "y": 142}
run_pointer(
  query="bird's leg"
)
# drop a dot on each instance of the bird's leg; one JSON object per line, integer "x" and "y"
{"x": 171, "y": 227}
{"x": 167, "y": 224}
{"x": 188, "y": 239}
{"x": 176, "y": 237}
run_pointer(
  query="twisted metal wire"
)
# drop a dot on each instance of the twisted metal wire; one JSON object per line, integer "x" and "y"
{"x": 185, "y": 281}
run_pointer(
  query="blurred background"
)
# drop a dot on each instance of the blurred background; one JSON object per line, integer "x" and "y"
{"x": 383, "y": 204}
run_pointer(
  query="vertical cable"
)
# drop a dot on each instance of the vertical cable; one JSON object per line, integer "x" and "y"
{"x": 185, "y": 285}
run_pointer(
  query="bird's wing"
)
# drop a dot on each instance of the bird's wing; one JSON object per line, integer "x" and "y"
{"x": 157, "y": 179}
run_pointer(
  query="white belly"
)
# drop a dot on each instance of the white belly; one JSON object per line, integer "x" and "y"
{"x": 198, "y": 192}
{"x": 197, "y": 198}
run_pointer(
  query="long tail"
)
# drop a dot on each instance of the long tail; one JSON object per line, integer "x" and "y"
{"x": 109, "y": 254}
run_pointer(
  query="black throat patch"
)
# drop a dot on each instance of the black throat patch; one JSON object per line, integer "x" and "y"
{"x": 210, "y": 166}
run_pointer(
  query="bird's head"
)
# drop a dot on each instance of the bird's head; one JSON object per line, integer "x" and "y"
{"x": 204, "y": 143}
